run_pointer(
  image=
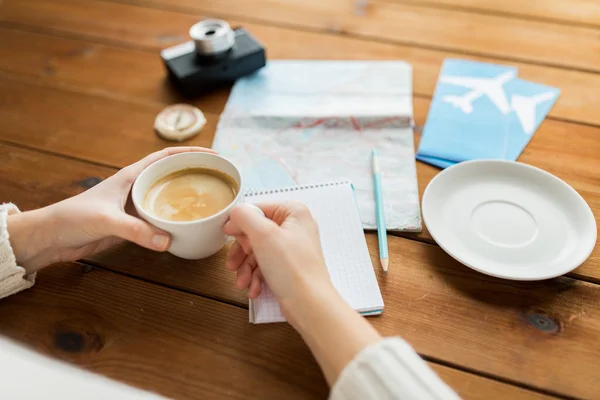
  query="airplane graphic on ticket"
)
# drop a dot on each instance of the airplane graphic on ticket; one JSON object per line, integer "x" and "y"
{"x": 482, "y": 110}
{"x": 523, "y": 106}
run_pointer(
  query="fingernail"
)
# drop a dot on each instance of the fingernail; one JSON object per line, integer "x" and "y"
{"x": 160, "y": 241}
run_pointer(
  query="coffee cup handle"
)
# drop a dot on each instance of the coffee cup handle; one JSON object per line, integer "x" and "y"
{"x": 255, "y": 208}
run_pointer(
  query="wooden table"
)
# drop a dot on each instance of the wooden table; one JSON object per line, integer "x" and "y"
{"x": 80, "y": 85}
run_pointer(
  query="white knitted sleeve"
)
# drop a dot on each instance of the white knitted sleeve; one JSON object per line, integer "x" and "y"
{"x": 387, "y": 370}
{"x": 13, "y": 278}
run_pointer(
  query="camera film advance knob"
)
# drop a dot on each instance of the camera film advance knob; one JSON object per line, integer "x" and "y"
{"x": 179, "y": 122}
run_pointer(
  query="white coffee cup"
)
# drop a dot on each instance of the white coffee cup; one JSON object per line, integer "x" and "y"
{"x": 196, "y": 239}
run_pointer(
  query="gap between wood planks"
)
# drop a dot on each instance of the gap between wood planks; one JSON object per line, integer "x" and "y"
{"x": 496, "y": 378}
{"x": 367, "y": 37}
{"x": 64, "y": 34}
{"x": 89, "y": 265}
{"x": 57, "y": 154}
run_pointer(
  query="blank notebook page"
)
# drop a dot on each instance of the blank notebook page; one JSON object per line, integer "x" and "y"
{"x": 333, "y": 206}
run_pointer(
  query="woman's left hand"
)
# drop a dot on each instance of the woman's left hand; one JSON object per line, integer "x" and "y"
{"x": 87, "y": 223}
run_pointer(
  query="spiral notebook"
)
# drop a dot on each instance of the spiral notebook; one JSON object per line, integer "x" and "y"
{"x": 334, "y": 207}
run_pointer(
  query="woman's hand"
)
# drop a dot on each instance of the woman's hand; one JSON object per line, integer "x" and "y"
{"x": 87, "y": 223}
{"x": 284, "y": 250}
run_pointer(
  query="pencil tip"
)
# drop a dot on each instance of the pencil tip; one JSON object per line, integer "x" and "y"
{"x": 384, "y": 263}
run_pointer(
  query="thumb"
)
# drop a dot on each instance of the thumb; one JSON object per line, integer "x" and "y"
{"x": 247, "y": 220}
{"x": 140, "y": 232}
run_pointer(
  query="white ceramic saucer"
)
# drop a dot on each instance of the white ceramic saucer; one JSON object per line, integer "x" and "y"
{"x": 509, "y": 219}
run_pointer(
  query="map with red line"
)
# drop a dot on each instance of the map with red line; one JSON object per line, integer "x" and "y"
{"x": 274, "y": 148}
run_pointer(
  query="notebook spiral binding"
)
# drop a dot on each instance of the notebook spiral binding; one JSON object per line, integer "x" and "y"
{"x": 252, "y": 192}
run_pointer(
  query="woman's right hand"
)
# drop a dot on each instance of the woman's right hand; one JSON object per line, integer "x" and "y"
{"x": 282, "y": 249}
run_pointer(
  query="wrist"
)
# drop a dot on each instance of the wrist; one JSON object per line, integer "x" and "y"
{"x": 334, "y": 332}
{"x": 29, "y": 239}
{"x": 310, "y": 299}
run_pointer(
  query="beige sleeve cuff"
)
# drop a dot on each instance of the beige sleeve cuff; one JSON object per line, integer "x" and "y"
{"x": 390, "y": 369}
{"x": 13, "y": 278}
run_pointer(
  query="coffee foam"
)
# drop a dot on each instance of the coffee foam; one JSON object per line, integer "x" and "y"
{"x": 190, "y": 194}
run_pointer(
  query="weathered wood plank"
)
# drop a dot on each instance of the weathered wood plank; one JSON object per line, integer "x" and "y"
{"x": 70, "y": 61}
{"x": 178, "y": 344}
{"x": 447, "y": 311}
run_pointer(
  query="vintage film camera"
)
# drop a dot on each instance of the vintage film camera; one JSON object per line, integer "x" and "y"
{"x": 216, "y": 56}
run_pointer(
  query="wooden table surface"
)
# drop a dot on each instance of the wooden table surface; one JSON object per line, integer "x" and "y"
{"x": 80, "y": 85}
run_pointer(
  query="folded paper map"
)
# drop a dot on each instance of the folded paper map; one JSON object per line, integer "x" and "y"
{"x": 303, "y": 122}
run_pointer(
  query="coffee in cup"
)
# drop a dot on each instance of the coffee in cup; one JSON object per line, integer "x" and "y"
{"x": 190, "y": 194}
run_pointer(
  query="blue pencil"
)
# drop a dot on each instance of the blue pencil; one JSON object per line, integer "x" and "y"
{"x": 379, "y": 210}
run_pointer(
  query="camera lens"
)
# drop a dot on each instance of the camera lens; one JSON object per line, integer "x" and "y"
{"x": 212, "y": 37}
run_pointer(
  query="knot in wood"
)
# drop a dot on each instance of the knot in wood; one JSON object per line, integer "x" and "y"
{"x": 74, "y": 342}
{"x": 542, "y": 322}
